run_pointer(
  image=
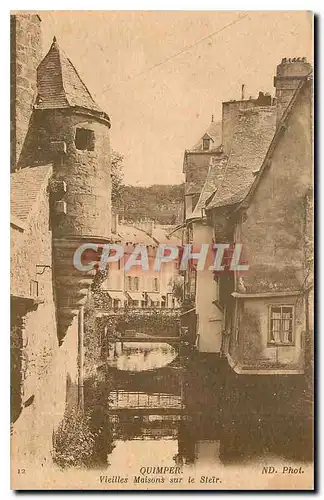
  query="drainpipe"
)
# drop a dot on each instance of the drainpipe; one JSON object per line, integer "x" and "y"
{"x": 80, "y": 357}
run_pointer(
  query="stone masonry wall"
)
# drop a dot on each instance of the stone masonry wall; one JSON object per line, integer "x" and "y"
{"x": 31, "y": 248}
{"x": 273, "y": 233}
{"x": 273, "y": 238}
{"x": 26, "y": 52}
{"x": 287, "y": 80}
{"x": 33, "y": 431}
{"x": 48, "y": 372}
{"x": 86, "y": 173}
{"x": 231, "y": 113}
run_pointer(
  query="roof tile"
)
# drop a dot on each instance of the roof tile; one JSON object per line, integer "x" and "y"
{"x": 252, "y": 137}
{"x": 215, "y": 133}
{"x": 25, "y": 187}
{"x": 213, "y": 179}
{"x": 59, "y": 84}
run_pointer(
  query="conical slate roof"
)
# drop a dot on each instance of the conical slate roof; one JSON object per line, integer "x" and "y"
{"x": 59, "y": 84}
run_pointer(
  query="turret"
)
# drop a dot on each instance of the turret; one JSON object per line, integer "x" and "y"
{"x": 72, "y": 132}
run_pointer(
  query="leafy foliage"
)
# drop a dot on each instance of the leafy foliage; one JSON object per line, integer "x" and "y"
{"x": 94, "y": 342}
{"x": 159, "y": 321}
{"x": 177, "y": 284}
{"x": 73, "y": 441}
{"x": 96, "y": 397}
{"x": 117, "y": 177}
{"x": 164, "y": 203}
{"x": 92, "y": 339}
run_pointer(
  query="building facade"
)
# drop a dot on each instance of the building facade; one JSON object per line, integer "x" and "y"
{"x": 60, "y": 197}
{"x": 257, "y": 318}
{"x": 270, "y": 328}
{"x": 139, "y": 288}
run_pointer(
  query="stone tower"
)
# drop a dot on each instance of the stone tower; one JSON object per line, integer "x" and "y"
{"x": 72, "y": 132}
{"x": 290, "y": 73}
{"x": 25, "y": 56}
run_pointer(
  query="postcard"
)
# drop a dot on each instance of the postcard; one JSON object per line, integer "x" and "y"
{"x": 162, "y": 290}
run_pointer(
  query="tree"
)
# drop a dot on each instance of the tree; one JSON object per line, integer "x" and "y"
{"x": 177, "y": 284}
{"x": 117, "y": 176}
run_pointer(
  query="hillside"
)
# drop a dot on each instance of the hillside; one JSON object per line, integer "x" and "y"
{"x": 161, "y": 202}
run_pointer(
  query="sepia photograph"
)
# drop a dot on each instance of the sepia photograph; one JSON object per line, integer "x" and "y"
{"x": 162, "y": 245}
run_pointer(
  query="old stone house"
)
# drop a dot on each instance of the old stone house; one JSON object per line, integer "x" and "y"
{"x": 245, "y": 132}
{"x": 196, "y": 164}
{"x": 261, "y": 196}
{"x": 196, "y": 168}
{"x": 269, "y": 321}
{"x": 137, "y": 287}
{"x": 60, "y": 197}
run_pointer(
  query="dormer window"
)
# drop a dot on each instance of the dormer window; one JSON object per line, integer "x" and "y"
{"x": 206, "y": 144}
{"x": 84, "y": 139}
{"x": 206, "y": 140}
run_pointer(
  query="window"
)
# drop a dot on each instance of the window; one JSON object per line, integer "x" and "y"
{"x": 155, "y": 285}
{"x": 281, "y": 325}
{"x": 129, "y": 283}
{"x": 84, "y": 139}
{"x": 132, "y": 283}
{"x": 206, "y": 144}
{"x": 34, "y": 288}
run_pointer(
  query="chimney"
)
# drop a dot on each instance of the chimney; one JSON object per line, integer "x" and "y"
{"x": 290, "y": 72}
{"x": 242, "y": 92}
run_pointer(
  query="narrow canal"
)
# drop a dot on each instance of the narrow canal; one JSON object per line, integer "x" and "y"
{"x": 152, "y": 404}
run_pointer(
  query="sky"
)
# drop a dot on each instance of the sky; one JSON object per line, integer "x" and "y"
{"x": 158, "y": 113}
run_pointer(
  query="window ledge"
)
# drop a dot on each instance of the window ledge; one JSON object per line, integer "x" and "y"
{"x": 280, "y": 344}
